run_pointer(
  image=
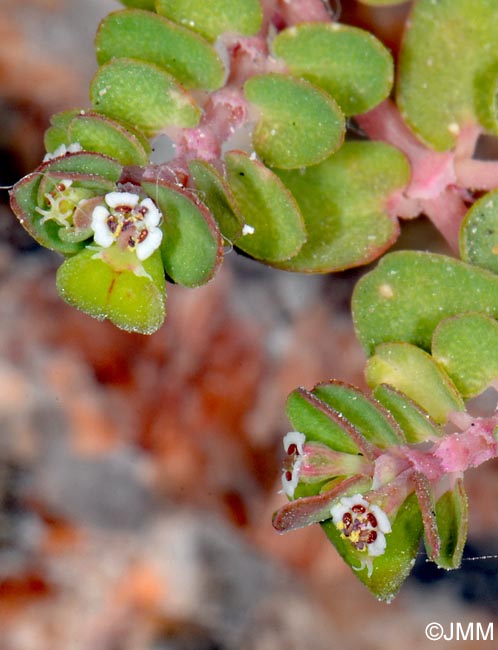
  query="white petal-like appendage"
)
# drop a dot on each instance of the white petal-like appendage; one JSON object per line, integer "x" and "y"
{"x": 294, "y": 438}
{"x": 115, "y": 199}
{"x": 149, "y": 245}
{"x": 102, "y": 235}
{"x": 153, "y": 216}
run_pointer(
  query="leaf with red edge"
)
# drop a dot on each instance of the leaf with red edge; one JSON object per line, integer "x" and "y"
{"x": 192, "y": 246}
{"x": 274, "y": 228}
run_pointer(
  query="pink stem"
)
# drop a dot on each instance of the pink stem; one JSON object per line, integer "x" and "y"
{"x": 225, "y": 112}
{"x": 477, "y": 174}
{"x": 432, "y": 171}
{"x": 470, "y": 448}
{"x": 446, "y": 211}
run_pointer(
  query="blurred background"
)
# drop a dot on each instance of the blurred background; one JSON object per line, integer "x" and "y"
{"x": 138, "y": 475}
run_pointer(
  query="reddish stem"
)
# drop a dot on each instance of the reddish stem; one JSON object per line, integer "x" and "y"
{"x": 477, "y": 174}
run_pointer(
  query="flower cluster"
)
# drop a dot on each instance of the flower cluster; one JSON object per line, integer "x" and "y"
{"x": 363, "y": 524}
{"x": 130, "y": 223}
{"x": 62, "y": 202}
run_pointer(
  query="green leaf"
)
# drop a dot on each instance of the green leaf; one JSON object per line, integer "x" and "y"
{"x": 415, "y": 373}
{"x": 100, "y": 134}
{"x": 391, "y": 568}
{"x": 300, "y": 125}
{"x": 148, "y": 37}
{"x": 417, "y": 424}
{"x": 216, "y": 194}
{"x": 452, "y": 520}
{"x": 371, "y": 420}
{"x": 349, "y": 63}
{"x": 29, "y": 194}
{"x": 135, "y": 303}
{"x": 319, "y": 423}
{"x": 192, "y": 245}
{"x": 84, "y": 162}
{"x": 344, "y": 204}
{"x": 486, "y": 98}
{"x": 143, "y": 94}
{"x": 211, "y": 18}
{"x": 141, "y": 4}
{"x": 466, "y": 346}
{"x": 410, "y": 292}
{"x": 479, "y": 233}
{"x": 267, "y": 206}
{"x": 56, "y": 134}
{"x": 447, "y": 48}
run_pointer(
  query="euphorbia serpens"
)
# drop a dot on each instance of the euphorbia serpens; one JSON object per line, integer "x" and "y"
{"x": 376, "y": 500}
{"x": 336, "y": 142}
{"x": 202, "y": 74}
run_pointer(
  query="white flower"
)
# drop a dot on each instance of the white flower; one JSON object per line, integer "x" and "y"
{"x": 62, "y": 150}
{"x": 365, "y": 525}
{"x": 62, "y": 201}
{"x": 293, "y": 445}
{"x": 290, "y": 478}
{"x": 135, "y": 225}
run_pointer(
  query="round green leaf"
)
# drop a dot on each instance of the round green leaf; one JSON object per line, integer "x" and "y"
{"x": 216, "y": 194}
{"x": 192, "y": 245}
{"x": 56, "y": 134}
{"x": 447, "y": 48}
{"x": 344, "y": 204}
{"x": 99, "y": 133}
{"x": 148, "y": 37}
{"x": 135, "y": 303}
{"x": 143, "y": 94}
{"x": 276, "y": 229}
{"x": 410, "y": 292}
{"x": 479, "y": 233}
{"x": 487, "y": 98}
{"x": 415, "y": 373}
{"x": 211, "y": 18}
{"x": 141, "y": 4}
{"x": 300, "y": 124}
{"x": 349, "y": 63}
{"x": 84, "y": 162}
{"x": 466, "y": 346}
